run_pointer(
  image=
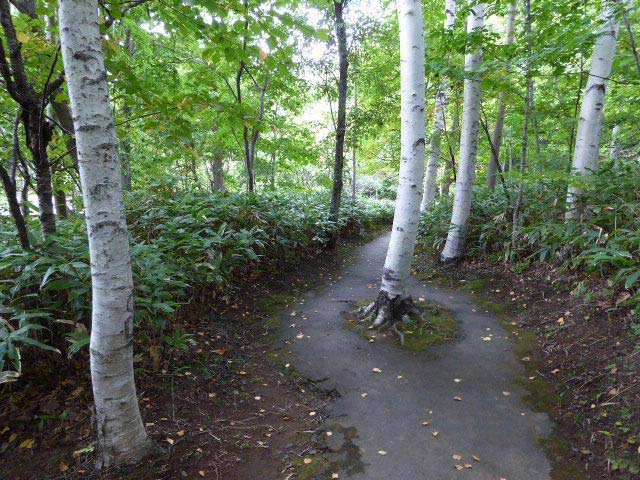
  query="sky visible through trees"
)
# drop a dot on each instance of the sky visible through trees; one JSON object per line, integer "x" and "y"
{"x": 161, "y": 157}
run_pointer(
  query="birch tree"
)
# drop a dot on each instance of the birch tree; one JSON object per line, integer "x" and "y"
{"x": 614, "y": 150}
{"x": 502, "y": 107}
{"x": 453, "y": 248}
{"x": 587, "y": 148}
{"x": 431, "y": 176}
{"x": 393, "y": 302}
{"x": 121, "y": 434}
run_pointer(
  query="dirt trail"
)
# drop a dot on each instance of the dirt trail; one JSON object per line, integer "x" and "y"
{"x": 417, "y": 387}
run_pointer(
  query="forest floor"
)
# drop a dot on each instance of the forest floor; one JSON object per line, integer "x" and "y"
{"x": 279, "y": 385}
{"x": 222, "y": 407}
{"x": 579, "y": 349}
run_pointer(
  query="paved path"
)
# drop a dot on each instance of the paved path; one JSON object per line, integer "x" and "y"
{"x": 500, "y": 430}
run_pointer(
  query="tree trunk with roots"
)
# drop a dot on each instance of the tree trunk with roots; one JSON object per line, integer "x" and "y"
{"x": 121, "y": 434}
{"x": 393, "y": 302}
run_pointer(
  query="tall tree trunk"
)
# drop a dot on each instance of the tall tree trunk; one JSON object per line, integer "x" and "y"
{"x": 9, "y": 185}
{"x": 255, "y": 131}
{"x": 38, "y": 130}
{"x": 341, "y": 123}
{"x": 587, "y": 149}
{"x": 126, "y": 175}
{"x": 632, "y": 38}
{"x": 121, "y": 434}
{"x": 431, "y": 176}
{"x": 502, "y": 107}
{"x": 576, "y": 109}
{"x": 453, "y": 249}
{"x": 525, "y": 135}
{"x": 453, "y": 141}
{"x": 218, "y": 173}
{"x": 44, "y": 190}
{"x": 354, "y": 173}
{"x": 21, "y": 165}
{"x": 354, "y": 153}
{"x": 61, "y": 203}
{"x": 24, "y": 198}
{"x": 61, "y": 110}
{"x": 614, "y": 153}
{"x": 251, "y": 183}
{"x": 393, "y": 301}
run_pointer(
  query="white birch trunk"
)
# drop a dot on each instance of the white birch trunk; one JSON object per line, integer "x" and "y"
{"x": 453, "y": 248}
{"x": 587, "y": 149}
{"x": 431, "y": 176}
{"x": 614, "y": 152}
{"x": 121, "y": 434}
{"x": 397, "y": 267}
{"x": 502, "y": 106}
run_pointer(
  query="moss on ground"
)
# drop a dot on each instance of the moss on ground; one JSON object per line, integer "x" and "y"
{"x": 440, "y": 327}
{"x": 317, "y": 467}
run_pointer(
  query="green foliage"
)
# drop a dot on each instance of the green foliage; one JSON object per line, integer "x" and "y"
{"x": 606, "y": 245}
{"x": 179, "y": 242}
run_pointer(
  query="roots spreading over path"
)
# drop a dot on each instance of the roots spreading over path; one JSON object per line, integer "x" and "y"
{"x": 387, "y": 311}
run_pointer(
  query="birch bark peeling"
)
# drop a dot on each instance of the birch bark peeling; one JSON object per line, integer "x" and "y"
{"x": 431, "y": 176}
{"x": 121, "y": 434}
{"x": 587, "y": 148}
{"x": 393, "y": 302}
{"x": 453, "y": 248}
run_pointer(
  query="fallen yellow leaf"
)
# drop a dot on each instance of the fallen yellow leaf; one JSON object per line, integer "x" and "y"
{"x": 27, "y": 443}
{"x": 307, "y": 461}
{"x": 63, "y": 467}
{"x": 376, "y": 370}
{"x": 382, "y": 452}
{"x": 457, "y": 457}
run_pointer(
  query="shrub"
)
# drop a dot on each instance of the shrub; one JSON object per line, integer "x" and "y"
{"x": 605, "y": 245}
{"x": 178, "y": 241}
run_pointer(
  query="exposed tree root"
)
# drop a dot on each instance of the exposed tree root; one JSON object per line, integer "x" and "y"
{"x": 386, "y": 311}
